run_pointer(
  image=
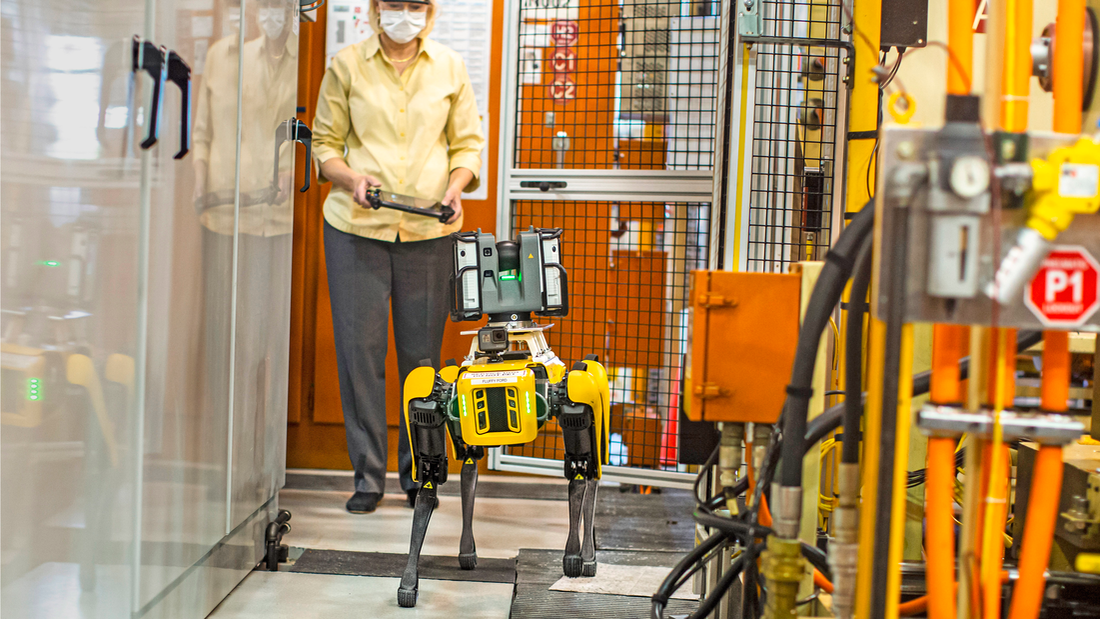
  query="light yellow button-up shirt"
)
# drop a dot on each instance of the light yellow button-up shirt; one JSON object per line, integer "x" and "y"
{"x": 409, "y": 131}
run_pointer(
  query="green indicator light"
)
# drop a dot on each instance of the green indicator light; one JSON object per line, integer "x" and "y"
{"x": 32, "y": 389}
{"x": 49, "y": 263}
{"x": 463, "y": 406}
{"x": 507, "y": 278}
{"x": 528, "y": 394}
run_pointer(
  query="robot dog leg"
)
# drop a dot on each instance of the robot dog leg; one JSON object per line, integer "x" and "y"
{"x": 425, "y": 419}
{"x": 583, "y": 417}
{"x": 469, "y": 455}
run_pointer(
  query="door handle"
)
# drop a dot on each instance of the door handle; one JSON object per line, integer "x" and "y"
{"x": 543, "y": 186}
{"x": 179, "y": 73}
{"x": 149, "y": 58}
{"x": 304, "y": 136}
{"x": 294, "y": 130}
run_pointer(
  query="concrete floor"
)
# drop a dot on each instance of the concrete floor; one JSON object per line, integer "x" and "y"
{"x": 501, "y": 527}
{"x": 272, "y": 595}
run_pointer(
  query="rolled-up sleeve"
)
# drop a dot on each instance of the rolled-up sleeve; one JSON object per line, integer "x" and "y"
{"x": 200, "y": 131}
{"x": 331, "y": 123}
{"x": 465, "y": 141}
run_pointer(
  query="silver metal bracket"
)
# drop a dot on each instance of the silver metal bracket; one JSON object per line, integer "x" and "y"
{"x": 749, "y": 22}
{"x": 1043, "y": 428}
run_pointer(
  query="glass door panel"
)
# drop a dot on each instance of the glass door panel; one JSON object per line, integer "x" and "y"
{"x": 69, "y": 236}
{"x": 262, "y": 312}
{"x": 189, "y": 287}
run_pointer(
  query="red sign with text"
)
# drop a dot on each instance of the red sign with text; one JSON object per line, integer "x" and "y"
{"x": 563, "y": 89}
{"x": 564, "y": 33}
{"x": 563, "y": 60}
{"x": 1064, "y": 291}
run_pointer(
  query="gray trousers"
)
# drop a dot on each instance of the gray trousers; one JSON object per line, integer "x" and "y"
{"x": 364, "y": 277}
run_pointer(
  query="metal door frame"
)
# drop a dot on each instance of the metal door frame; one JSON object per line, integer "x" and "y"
{"x": 614, "y": 185}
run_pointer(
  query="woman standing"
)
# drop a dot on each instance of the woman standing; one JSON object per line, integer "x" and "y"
{"x": 396, "y": 111}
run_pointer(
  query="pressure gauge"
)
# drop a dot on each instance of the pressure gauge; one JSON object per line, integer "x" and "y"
{"x": 969, "y": 176}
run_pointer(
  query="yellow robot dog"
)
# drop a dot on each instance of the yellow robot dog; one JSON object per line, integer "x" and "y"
{"x": 509, "y": 385}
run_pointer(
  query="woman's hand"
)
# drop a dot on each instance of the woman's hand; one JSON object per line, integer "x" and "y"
{"x": 337, "y": 171}
{"x": 460, "y": 178}
{"x": 453, "y": 199}
{"x": 362, "y": 184}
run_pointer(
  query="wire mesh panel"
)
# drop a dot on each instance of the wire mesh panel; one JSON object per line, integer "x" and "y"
{"x": 794, "y": 132}
{"x": 616, "y": 84}
{"x": 628, "y": 266}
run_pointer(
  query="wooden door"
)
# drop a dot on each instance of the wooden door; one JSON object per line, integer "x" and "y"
{"x": 315, "y": 433}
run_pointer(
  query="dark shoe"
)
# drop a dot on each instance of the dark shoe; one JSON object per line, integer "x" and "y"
{"x": 411, "y": 495}
{"x": 363, "y": 502}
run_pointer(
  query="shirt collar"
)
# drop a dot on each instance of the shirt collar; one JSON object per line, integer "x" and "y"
{"x": 373, "y": 45}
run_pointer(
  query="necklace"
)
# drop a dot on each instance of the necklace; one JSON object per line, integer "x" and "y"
{"x": 396, "y": 60}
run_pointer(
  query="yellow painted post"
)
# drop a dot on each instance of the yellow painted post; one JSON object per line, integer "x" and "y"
{"x": 863, "y": 116}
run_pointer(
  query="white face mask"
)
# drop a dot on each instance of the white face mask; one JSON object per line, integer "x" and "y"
{"x": 403, "y": 26}
{"x": 272, "y": 20}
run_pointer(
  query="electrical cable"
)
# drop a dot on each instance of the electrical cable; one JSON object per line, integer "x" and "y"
{"x": 708, "y": 604}
{"x": 703, "y": 470}
{"x": 853, "y": 354}
{"x": 817, "y": 558}
{"x": 839, "y": 262}
{"x": 664, "y": 592}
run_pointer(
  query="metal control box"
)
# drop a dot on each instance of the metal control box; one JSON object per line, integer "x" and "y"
{"x": 743, "y": 335}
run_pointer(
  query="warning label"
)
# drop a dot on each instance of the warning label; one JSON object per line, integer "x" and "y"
{"x": 1078, "y": 180}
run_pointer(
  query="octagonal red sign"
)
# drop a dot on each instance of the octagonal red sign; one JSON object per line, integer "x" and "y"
{"x": 1063, "y": 292}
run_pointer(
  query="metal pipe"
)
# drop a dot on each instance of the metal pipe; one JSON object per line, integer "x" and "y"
{"x": 1056, "y": 372}
{"x": 1016, "y": 73}
{"x": 939, "y": 511}
{"x": 947, "y": 349}
{"x": 1042, "y": 516}
{"x": 997, "y": 493}
{"x": 960, "y": 45}
{"x": 1068, "y": 68}
{"x": 730, "y": 456}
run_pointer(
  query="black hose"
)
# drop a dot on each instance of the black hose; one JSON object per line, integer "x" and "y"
{"x": 817, "y": 558}
{"x": 709, "y": 603}
{"x": 839, "y": 262}
{"x": 669, "y": 586}
{"x": 744, "y": 532}
{"x": 703, "y": 470}
{"x": 853, "y": 354}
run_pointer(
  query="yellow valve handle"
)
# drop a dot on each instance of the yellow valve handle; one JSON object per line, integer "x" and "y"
{"x": 901, "y": 107}
{"x": 1088, "y": 563}
{"x": 1065, "y": 184}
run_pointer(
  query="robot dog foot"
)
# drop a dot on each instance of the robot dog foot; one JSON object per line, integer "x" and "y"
{"x": 406, "y": 598}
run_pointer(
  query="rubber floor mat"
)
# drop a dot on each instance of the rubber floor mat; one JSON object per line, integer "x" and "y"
{"x": 653, "y": 522}
{"x": 537, "y": 570}
{"x": 392, "y": 565}
{"x": 486, "y": 487}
